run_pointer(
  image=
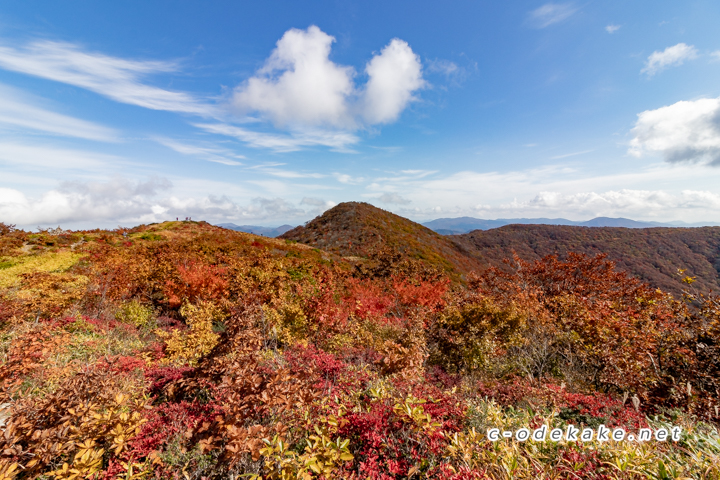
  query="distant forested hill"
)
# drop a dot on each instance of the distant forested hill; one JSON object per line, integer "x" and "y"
{"x": 651, "y": 254}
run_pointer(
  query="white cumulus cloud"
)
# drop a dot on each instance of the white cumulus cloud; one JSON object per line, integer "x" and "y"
{"x": 686, "y": 131}
{"x": 118, "y": 199}
{"x": 670, "y": 57}
{"x": 299, "y": 84}
{"x": 394, "y": 75}
{"x": 612, "y": 28}
{"x": 300, "y": 87}
{"x": 130, "y": 202}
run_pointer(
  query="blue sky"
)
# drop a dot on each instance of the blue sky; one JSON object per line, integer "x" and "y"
{"x": 119, "y": 113}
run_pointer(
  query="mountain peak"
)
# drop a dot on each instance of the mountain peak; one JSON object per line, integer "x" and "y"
{"x": 358, "y": 229}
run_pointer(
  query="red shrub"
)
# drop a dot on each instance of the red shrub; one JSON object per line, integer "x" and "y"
{"x": 161, "y": 376}
{"x": 333, "y": 375}
{"x": 581, "y": 463}
{"x": 165, "y": 422}
{"x": 124, "y": 364}
{"x": 324, "y": 307}
{"x": 425, "y": 294}
{"x": 196, "y": 281}
{"x": 368, "y": 298}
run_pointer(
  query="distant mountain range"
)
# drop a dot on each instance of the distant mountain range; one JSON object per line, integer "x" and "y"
{"x": 456, "y": 226}
{"x": 257, "y": 230}
{"x": 460, "y": 225}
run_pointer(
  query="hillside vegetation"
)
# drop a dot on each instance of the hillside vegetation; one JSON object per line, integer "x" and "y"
{"x": 185, "y": 351}
{"x": 357, "y": 229}
{"x": 653, "y": 255}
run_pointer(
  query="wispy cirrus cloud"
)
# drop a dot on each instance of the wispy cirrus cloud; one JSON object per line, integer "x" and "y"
{"x": 446, "y": 67}
{"x": 23, "y": 112}
{"x": 224, "y": 156}
{"x": 550, "y": 14}
{"x": 348, "y": 179}
{"x": 407, "y": 175}
{"x": 284, "y": 173}
{"x": 47, "y": 156}
{"x": 209, "y": 153}
{"x": 612, "y": 28}
{"x": 573, "y": 154}
{"x": 309, "y": 99}
{"x": 339, "y": 141}
{"x": 454, "y": 74}
{"x": 670, "y": 57}
{"x": 116, "y": 78}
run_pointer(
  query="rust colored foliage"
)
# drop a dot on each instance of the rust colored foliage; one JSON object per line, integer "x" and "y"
{"x": 196, "y": 281}
{"x": 186, "y": 351}
{"x": 87, "y": 413}
{"x": 26, "y": 356}
{"x": 579, "y": 318}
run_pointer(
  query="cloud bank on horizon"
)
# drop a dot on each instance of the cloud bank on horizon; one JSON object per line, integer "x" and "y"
{"x": 421, "y": 117}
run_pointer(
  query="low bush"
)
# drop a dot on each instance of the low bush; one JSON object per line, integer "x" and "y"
{"x": 213, "y": 354}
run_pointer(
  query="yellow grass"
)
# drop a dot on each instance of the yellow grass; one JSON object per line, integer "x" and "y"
{"x": 55, "y": 262}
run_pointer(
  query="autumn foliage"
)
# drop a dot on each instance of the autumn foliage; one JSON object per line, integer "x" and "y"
{"x": 185, "y": 351}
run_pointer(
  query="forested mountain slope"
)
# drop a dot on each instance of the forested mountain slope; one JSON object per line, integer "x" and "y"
{"x": 651, "y": 254}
